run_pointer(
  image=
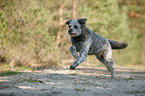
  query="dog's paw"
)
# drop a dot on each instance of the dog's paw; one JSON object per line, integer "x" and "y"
{"x": 72, "y": 67}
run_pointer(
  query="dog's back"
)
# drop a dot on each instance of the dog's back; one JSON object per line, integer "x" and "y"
{"x": 99, "y": 43}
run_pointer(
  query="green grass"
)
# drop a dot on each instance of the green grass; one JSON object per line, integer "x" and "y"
{"x": 6, "y": 70}
{"x": 6, "y": 67}
{"x": 134, "y": 92}
{"x": 74, "y": 74}
{"x": 77, "y": 89}
{"x": 25, "y": 68}
{"x": 8, "y": 73}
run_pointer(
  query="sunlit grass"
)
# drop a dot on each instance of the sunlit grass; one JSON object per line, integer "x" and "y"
{"x": 6, "y": 67}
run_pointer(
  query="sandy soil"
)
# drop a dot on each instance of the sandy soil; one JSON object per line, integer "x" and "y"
{"x": 85, "y": 81}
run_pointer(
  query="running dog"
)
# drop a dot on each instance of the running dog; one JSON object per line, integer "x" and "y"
{"x": 86, "y": 42}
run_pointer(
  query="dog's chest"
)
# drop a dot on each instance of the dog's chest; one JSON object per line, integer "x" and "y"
{"x": 78, "y": 43}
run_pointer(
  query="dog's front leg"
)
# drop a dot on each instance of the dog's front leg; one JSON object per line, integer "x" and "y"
{"x": 83, "y": 53}
{"x": 82, "y": 57}
{"x": 73, "y": 51}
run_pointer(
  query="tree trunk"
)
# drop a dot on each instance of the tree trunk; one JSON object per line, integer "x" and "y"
{"x": 74, "y": 9}
{"x": 60, "y": 23}
{"x": 143, "y": 58}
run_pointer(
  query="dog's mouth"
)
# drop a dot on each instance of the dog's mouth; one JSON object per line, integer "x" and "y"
{"x": 73, "y": 34}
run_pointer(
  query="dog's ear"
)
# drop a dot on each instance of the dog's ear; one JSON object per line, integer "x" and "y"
{"x": 82, "y": 21}
{"x": 67, "y": 22}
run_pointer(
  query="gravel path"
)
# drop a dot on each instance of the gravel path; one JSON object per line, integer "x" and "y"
{"x": 85, "y": 81}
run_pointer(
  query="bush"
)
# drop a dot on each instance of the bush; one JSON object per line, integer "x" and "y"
{"x": 29, "y": 29}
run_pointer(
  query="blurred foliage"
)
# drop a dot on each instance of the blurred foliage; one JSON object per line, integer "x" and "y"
{"x": 135, "y": 10}
{"x": 28, "y": 30}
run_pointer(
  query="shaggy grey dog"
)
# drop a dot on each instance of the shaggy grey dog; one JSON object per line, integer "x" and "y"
{"x": 86, "y": 42}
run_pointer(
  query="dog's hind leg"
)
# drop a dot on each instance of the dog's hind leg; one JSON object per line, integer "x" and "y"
{"x": 108, "y": 62}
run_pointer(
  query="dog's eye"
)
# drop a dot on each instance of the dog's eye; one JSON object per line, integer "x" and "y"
{"x": 75, "y": 26}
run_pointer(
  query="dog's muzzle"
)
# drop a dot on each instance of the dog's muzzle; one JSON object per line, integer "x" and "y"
{"x": 70, "y": 32}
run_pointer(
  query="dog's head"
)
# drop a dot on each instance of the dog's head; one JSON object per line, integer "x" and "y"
{"x": 76, "y": 27}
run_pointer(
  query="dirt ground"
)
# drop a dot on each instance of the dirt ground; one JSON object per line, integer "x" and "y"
{"x": 85, "y": 81}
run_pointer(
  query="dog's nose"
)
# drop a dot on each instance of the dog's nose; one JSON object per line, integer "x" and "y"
{"x": 70, "y": 30}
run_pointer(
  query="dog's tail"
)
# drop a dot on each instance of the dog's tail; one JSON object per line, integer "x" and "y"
{"x": 117, "y": 45}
